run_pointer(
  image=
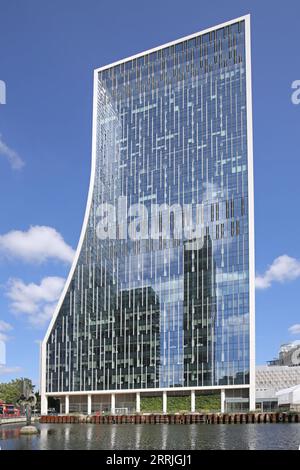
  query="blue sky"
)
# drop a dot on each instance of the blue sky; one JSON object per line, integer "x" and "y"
{"x": 48, "y": 51}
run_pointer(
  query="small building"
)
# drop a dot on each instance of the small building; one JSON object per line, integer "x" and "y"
{"x": 272, "y": 379}
{"x": 289, "y": 398}
{"x": 289, "y": 355}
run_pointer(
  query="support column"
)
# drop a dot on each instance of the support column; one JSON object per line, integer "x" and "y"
{"x": 252, "y": 403}
{"x": 193, "y": 401}
{"x": 89, "y": 404}
{"x": 44, "y": 404}
{"x": 113, "y": 404}
{"x": 67, "y": 404}
{"x": 165, "y": 402}
{"x": 138, "y": 402}
{"x": 222, "y": 400}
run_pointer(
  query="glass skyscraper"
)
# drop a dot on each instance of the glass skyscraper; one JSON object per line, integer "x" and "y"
{"x": 160, "y": 296}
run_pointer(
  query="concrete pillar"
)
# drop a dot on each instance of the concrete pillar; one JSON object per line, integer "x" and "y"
{"x": 67, "y": 404}
{"x": 89, "y": 404}
{"x": 222, "y": 400}
{"x": 113, "y": 404}
{"x": 193, "y": 401}
{"x": 165, "y": 402}
{"x": 252, "y": 403}
{"x": 138, "y": 402}
{"x": 44, "y": 404}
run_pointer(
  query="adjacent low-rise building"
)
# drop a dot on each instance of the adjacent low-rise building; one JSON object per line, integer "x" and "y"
{"x": 289, "y": 398}
{"x": 273, "y": 379}
{"x": 288, "y": 355}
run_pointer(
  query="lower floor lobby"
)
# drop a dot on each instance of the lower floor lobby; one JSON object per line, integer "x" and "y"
{"x": 222, "y": 400}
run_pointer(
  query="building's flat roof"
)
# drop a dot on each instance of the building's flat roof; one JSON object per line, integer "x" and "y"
{"x": 266, "y": 367}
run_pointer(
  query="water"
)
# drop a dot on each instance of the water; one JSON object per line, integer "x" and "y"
{"x": 153, "y": 436}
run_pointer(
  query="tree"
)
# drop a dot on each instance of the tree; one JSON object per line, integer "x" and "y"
{"x": 11, "y": 391}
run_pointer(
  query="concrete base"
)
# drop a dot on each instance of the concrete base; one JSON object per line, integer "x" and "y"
{"x": 29, "y": 430}
{"x": 15, "y": 419}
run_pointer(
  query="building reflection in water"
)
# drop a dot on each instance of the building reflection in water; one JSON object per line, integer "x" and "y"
{"x": 193, "y": 436}
{"x": 89, "y": 436}
{"x": 164, "y": 437}
{"x": 9, "y": 433}
{"x": 138, "y": 431}
{"x": 113, "y": 433}
{"x": 222, "y": 438}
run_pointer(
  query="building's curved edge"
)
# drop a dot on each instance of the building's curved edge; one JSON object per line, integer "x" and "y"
{"x": 78, "y": 250}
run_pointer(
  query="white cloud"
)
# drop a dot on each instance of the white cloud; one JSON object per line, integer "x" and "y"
{"x": 9, "y": 370}
{"x": 236, "y": 323}
{"x": 4, "y": 328}
{"x": 36, "y": 301}
{"x": 37, "y": 245}
{"x": 11, "y": 155}
{"x": 284, "y": 268}
{"x": 295, "y": 329}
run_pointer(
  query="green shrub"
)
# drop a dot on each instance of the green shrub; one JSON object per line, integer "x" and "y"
{"x": 208, "y": 403}
{"x": 181, "y": 404}
{"x": 151, "y": 404}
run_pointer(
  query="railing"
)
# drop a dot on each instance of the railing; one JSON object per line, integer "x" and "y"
{"x": 178, "y": 418}
{"x": 11, "y": 416}
{"x": 8, "y": 419}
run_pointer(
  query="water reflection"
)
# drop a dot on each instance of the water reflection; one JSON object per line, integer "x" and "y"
{"x": 9, "y": 432}
{"x": 164, "y": 437}
{"x": 158, "y": 436}
{"x": 192, "y": 435}
{"x": 222, "y": 438}
{"x": 113, "y": 436}
{"x": 138, "y": 430}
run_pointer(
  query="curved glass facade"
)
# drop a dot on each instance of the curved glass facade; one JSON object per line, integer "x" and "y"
{"x": 162, "y": 301}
